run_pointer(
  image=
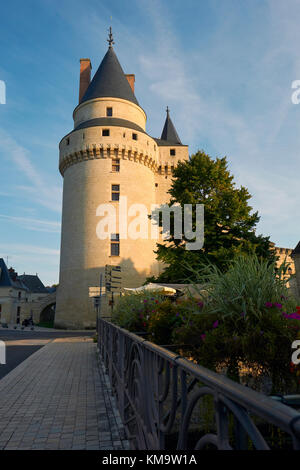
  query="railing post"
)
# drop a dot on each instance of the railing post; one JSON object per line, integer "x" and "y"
{"x": 121, "y": 382}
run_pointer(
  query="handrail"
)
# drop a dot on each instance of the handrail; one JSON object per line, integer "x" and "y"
{"x": 152, "y": 389}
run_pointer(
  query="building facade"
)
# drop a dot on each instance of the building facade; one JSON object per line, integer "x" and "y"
{"x": 19, "y": 295}
{"x": 109, "y": 158}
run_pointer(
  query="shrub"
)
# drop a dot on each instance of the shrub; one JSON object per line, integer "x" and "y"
{"x": 246, "y": 287}
{"x": 162, "y": 321}
{"x": 133, "y": 310}
{"x": 245, "y": 324}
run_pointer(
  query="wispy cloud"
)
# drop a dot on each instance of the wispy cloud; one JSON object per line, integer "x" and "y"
{"x": 241, "y": 109}
{"x": 40, "y": 189}
{"x": 32, "y": 250}
{"x": 32, "y": 259}
{"x": 34, "y": 224}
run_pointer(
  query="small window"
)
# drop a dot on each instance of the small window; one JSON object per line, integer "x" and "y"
{"x": 109, "y": 112}
{"x": 115, "y": 244}
{"x": 115, "y": 192}
{"x": 68, "y": 141}
{"x": 19, "y": 295}
{"x": 172, "y": 152}
{"x": 105, "y": 132}
{"x": 115, "y": 166}
{"x": 83, "y": 136}
{"x": 134, "y": 136}
{"x": 124, "y": 134}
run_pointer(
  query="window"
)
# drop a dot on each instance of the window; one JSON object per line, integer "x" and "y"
{"x": 109, "y": 112}
{"x": 19, "y": 295}
{"x": 68, "y": 141}
{"x": 18, "y": 314}
{"x": 105, "y": 132}
{"x": 115, "y": 244}
{"x": 172, "y": 152}
{"x": 115, "y": 164}
{"x": 134, "y": 136}
{"x": 115, "y": 192}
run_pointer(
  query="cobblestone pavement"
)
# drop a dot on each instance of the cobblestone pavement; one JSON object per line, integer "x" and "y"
{"x": 59, "y": 398}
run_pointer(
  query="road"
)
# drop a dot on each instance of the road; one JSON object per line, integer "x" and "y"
{"x": 20, "y": 344}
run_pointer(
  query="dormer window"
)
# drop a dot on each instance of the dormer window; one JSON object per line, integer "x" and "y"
{"x": 172, "y": 152}
{"x": 105, "y": 132}
{"x": 109, "y": 112}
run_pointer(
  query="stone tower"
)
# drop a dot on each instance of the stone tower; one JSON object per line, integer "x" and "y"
{"x": 108, "y": 155}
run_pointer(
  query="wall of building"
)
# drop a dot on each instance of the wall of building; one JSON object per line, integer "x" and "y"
{"x": 122, "y": 109}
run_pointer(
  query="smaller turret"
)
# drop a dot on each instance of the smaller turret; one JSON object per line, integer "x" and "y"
{"x": 169, "y": 132}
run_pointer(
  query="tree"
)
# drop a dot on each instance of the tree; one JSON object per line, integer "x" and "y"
{"x": 229, "y": 224}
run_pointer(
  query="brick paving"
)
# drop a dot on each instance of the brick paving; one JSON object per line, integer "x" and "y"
{"x": 59, "y": 398}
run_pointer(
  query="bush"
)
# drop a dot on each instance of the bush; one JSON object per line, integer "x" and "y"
{"x": 133, "y": 310}
{"x": 244, "y": 326}
{"x": 162, "y": 321}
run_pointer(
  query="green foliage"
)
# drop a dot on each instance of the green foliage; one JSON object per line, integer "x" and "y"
{"x": 162, "y": 321}
{"x": 247, "y": 285}
{"x": 133, "y": 310}
{"x": 229, "y": 221}
{"x": 243, "y": 324}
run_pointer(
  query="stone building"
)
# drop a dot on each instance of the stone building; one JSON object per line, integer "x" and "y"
{"x": 108, "y": 155}
{"x": 19, "y": 295}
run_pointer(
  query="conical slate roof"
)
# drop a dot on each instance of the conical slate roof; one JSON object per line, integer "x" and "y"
{"x": 109, "y": 81}
{"x": 296, "y": 250}
{"x": 169, "y": 132}
{"x": 5, "y": 280}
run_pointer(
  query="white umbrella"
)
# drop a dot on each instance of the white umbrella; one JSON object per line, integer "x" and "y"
{"x": 151, "y": 288}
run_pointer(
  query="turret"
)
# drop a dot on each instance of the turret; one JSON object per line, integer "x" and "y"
{"x": 106, "y": 158}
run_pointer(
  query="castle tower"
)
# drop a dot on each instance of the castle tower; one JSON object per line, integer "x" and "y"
{"x": 108, "y": 155}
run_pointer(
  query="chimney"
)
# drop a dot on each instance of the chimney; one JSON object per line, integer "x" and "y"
{"x": 131, "y": 79}
{"x": 85, "y": 76}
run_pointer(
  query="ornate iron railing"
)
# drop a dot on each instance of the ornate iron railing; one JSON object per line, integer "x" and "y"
{"x": 160, "y": 396}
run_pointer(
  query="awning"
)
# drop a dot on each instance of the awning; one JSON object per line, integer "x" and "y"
{"x": 151, "y": 288}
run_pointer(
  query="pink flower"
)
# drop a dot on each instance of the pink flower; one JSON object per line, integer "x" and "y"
{"x": 277, "y": 305}
{"x": 203, "y": 337}
{"x": 268, "y": 304}
{"x": 216, "y": 324}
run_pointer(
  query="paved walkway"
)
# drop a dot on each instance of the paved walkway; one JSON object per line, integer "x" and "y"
{"x": 59, "y": 398}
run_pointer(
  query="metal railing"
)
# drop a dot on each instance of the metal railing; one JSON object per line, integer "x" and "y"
{"x": 160, "y": 393}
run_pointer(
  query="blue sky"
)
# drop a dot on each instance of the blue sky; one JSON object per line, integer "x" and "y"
{"x": 224, "y": 67}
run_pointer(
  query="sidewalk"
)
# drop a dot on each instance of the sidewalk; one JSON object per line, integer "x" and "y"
{"x": 58, "y": 398}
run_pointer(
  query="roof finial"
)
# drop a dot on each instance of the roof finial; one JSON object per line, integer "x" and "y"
{"x": 168, "y": 111}
{"x": 110, "y": 39}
